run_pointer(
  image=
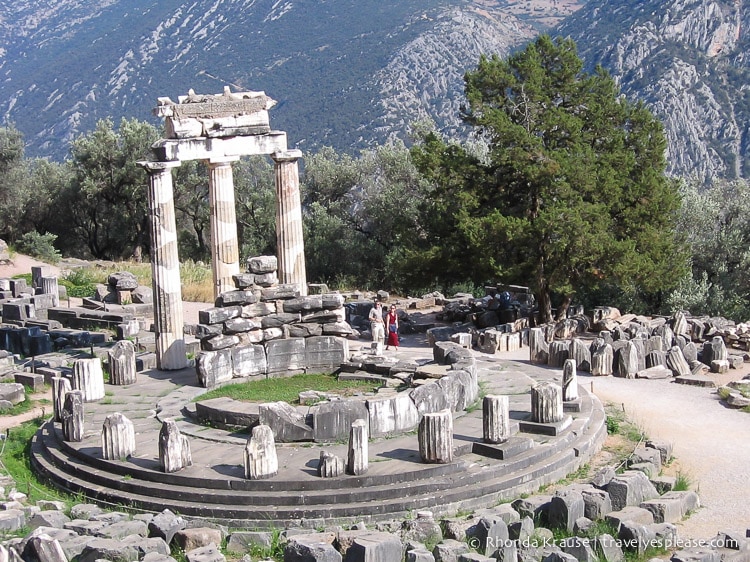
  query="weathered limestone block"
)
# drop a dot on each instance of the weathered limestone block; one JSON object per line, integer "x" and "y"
{"x": 449, "y": 549}
{"x": 435, "y": 437}
{"x": 330, "y": 465}
{"x": 630, "y": 489}
{"x": 133, "y": 547}
{"x": 248, "y": 360}
{"x": 672, "y": 506}
{"x": 286, "y": 355}
{"x": 219, "y": 314}
{"x": 676, "y": 362}
{"x": 626, "y": 361}
{"x": 44, "y": 547}
{"x": 174, "y": 448}
{"x": 262, "y": 264}
{"x": 719, "y": 366}
{"x": 191, "y": 539}
{"x": 219, "y": 342}
{"x": 118, "y": 437}
{"x": 122, "y": 368}
{"x": 375, "y": 546}
{"x": 490, "y": 533}
{"x": 239, "y": 297}
{"x": 332, "y": 421}
{"x": 88, "y": 377}
{"x": 423, "y": 529}
{"x": 260, "y": 454}
{"x": 538, "y": 348}
{"x": 495, "y": 418}
{"x": 558, "y": 354}
{"x": 489, "y": 341}
{"x": 72, "y": 416}
{"x": 565, "y": 507}
{"x": 429, "y": 398}
{"x": 13, "y": 392}
{"x": 463, "y": 339}
{"x": 656, "y": 358}
{"x": 288, "y": 425}
{"x": 213, "y": 367}
{"x": 597, "y": 503}
{"x": 579, "y": 352}
{"x": 546, "y": 403}
{"x": 165, "y": 524}
{"x": 655, "y": 372}
{"x": 570, "y": 381}
{"x": 326, "y": 352}
{"x": 357, "y": 457}
{"x": 314, "y": 547}
{"x": 714, "y": 350}
{"x": 392, "y": 414}
{"x": 666, "y": 334}
{"x": 602, "y": 360}
{"x": 580, "y": 549}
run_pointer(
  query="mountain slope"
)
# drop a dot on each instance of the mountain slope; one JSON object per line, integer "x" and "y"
{"x": 688, "y": 61}
{"x": 346, "y": 73}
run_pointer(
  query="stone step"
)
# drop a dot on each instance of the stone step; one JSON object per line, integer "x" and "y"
{"x": 464, "y": 491}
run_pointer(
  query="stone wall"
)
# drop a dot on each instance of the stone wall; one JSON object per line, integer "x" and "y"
{"x": 266, "y": 329}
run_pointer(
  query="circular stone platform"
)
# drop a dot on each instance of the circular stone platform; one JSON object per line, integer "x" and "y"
{"x": 396, "y": 483}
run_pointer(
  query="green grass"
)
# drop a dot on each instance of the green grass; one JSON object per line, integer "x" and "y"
{"x": 286, "y": 389}
{"x": 14, "y": 455}
{"x": 683, "y": 483}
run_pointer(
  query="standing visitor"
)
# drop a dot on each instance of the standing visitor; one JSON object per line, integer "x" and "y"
{"x": 392, "y": 323}
{"x": 376, "y": 323}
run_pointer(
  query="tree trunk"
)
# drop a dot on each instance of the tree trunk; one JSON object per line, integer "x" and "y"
{"x": 545, "y": 303}
{"x": 562, "y": 311}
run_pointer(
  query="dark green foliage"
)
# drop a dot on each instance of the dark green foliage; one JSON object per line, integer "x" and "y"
{"x": 572, "y": 192}
{"x": 106, "y": 204}
{"x": 40, "y": 246}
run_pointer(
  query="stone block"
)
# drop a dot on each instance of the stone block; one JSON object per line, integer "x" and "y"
{"x": 672, "y": 506}
{"x": 333, "y": 420}
{"x": 630, "y": 488}
{"x": 236, "y": 298}
{"x": 12, "y": 392}
{"x": 428, "y": 398}
{"x": 197, "y": 537}
{"x": 286, "y": 355}
{"x": 217, "y": 315}
{"x": 12, "y": 520}
{"x": 392, "y": 414}
{"x": 287, "y": 424}
{"x": 375, "y": 547}
{"x": 449, "y": 550}
{"x": 325, "y": 353}
{"x": 565, "y": 507}
{"x": 213, "y": 367}
{"x": 630, "y": 513}
{"x": 164, "y": 525}
{"x": 597, "y": 503}
{"x": 315, "y": 547}
{"x": 249, "y": 360}
{"x": 242, "y": 542}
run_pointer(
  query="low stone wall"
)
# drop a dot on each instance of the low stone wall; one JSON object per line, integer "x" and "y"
{"x": 391, "y": 412}
{"x": 266, "y": 329}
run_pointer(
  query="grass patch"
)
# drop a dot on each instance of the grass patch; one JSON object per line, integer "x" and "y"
{"x": 287, "y": 389}
{"x": 683, "y": 483}
{"x": 197, "y": 282}
{"x": 14, "y": 455}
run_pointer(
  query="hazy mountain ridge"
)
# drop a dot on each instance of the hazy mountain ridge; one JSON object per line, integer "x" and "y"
{"x": 345, "y": 73}
{"x": 687, "y": 59}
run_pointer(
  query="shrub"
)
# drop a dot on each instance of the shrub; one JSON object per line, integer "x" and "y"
{"x": 40, "y": 246}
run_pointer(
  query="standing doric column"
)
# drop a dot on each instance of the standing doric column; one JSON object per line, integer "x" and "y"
{"x": 225, "y": 248}
{"x": 290, "y": 244}
{"x": 165, "y": 268}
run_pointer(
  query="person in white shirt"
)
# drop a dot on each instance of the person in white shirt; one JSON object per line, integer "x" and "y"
{"x": 377, "y": 325}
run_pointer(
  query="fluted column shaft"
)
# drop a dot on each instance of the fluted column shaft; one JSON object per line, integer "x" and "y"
{"x": 225, "y": 248}
{"x": 289, "y": 240}
{"x": 165, "y": 268}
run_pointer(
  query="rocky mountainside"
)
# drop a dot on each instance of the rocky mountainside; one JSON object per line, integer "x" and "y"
{"x": 346, "y": 73}
{"x": 688, "y": 60}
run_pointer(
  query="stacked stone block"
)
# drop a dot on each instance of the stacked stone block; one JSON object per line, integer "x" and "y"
{"x": 264, "y": 328}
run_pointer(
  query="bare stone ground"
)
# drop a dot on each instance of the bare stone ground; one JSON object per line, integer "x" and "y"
{"x": 710, "y": 441}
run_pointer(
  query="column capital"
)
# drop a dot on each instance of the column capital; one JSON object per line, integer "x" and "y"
{"x": 219, "y": 160}
{"x": 286, "y": 155}
{"x": 152, "y": 166}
